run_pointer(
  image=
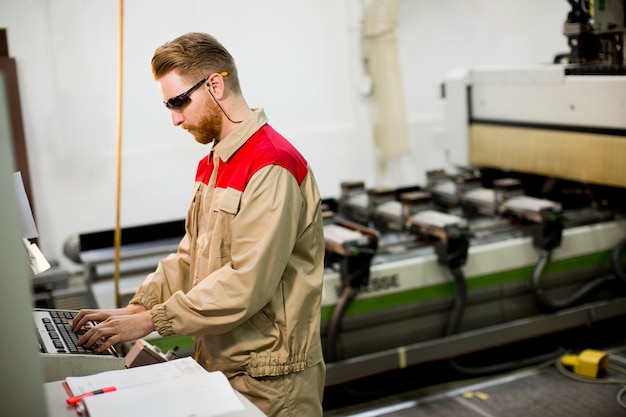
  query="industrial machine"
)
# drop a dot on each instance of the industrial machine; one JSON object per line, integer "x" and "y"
{"x": 522, "y": 236}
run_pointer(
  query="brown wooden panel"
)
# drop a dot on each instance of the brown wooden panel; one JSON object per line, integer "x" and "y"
{"x": 8, "y": 69}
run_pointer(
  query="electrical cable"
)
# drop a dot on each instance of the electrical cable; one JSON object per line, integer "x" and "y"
{"x": 617, "y": 260}
{"x": 453, "y": 324}
{"x": 218, "y": 105}
{"x": 578, "y": 295}
{"x": 354, "y": 271}
{"x": 460, "y": 300}
{"x": 334, "y": 327}
{"x": 545, "y": 358}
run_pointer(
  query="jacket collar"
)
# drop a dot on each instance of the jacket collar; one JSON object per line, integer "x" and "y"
{"x": 226, "y": 147}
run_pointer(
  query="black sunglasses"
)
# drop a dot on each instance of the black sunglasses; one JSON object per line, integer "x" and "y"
{"x": 181, "y": 101}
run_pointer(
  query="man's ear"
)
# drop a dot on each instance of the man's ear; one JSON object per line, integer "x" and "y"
{"x": 215, "y": 84}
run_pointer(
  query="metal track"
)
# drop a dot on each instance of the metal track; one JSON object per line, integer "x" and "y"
{"x": 473, "y": 341}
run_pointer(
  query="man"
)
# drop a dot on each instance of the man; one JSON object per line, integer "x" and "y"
{"x": 246, "y": 279}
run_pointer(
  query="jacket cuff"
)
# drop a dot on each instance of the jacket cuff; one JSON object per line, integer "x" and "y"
{"x": 161, "y": 323}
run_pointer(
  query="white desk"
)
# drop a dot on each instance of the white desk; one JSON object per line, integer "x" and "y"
{"x": 56, "y": 396}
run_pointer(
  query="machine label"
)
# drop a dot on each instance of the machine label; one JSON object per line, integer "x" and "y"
{"x": 386, "y": 282}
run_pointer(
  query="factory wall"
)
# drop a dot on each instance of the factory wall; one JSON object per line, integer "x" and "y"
{"x": 300, "y": 60}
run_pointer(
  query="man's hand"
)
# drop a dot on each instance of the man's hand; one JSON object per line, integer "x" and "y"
{"x": 117, "y": 329}
{"x": 87, "y": 315}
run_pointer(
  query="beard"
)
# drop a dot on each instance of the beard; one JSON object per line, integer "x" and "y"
{"x": 209, "y": 127}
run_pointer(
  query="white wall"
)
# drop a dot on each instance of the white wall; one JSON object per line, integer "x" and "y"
{"x": 300, "y": 60}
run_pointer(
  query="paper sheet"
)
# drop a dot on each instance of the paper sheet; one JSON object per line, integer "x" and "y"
{"x": 36, "y": 259}
{"x": 29, "y": 229}
{"x": 179, "y": 387}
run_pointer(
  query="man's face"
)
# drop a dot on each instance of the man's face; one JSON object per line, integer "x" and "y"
{"x": 208, "y": 127}
{"x": 198, "y": 114}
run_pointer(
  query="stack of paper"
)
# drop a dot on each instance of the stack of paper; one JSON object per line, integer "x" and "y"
{"x": 179, "y": 387}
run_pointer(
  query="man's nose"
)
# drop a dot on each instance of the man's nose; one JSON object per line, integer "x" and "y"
{"x": 177, "y": 118}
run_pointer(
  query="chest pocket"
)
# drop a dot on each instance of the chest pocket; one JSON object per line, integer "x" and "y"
{"x": 224, "y": 209}
{"x": 229, "y": 203}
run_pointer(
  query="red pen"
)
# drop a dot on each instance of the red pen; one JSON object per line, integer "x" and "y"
{"x": 75, "y": 400}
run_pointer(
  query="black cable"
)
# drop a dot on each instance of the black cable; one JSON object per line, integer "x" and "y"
{"x": 218, "y": 105}
{"x": 617, "y": 260}
{"x": 334, "y": 327}
{"x": 578, "y": 295}
{"x": 460, "y": 300}
{"x": 544, "y": 358}
{"x": 544, "y": 258}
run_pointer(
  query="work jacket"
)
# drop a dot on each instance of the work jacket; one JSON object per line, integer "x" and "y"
{"x": 246, "y": 280}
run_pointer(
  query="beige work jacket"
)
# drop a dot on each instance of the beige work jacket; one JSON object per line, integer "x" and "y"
{"x": 246, "y": 280}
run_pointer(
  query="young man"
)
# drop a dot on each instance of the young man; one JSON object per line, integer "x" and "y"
{"x": 246, "y": 280}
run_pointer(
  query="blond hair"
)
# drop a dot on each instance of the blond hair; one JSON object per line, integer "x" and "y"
{"x": 193, "y": 56}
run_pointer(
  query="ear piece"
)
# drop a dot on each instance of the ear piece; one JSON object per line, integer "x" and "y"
{"x": 208, "y": 84}
{"x": 210, "y": 92}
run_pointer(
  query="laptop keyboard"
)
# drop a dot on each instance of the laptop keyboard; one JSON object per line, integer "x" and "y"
{"x": 61, "y": 335}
